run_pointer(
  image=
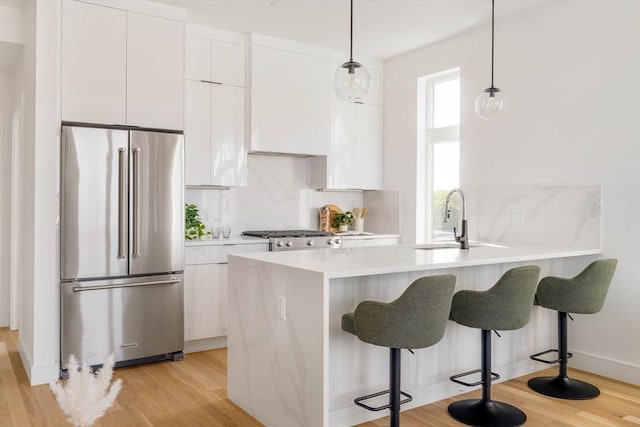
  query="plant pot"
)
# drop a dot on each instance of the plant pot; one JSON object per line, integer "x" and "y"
{"x": 344, "y": 228}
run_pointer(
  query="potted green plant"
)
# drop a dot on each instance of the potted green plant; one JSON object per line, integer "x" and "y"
{"x": 342, "y": 220}
{"x": 194, "y": 228}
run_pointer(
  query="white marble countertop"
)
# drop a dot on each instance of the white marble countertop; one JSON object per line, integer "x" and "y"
{"x": 368, "y": 236}
{"x": 249, "y": 240}
{"x": 233, "y": 240}
{"x": 350, "y": 262}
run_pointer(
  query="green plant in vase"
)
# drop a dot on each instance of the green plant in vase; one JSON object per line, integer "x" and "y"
{"x": 342, "y": 220}
{"x": 194, "y": 228}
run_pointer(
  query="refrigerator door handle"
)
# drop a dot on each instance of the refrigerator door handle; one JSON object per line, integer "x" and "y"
{"x": 122, "y": 202}
{"x": 126, "y": 285}
{"x": 136, "y": 202}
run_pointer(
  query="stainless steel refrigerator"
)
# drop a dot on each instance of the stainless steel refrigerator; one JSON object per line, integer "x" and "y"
{"x": 122, "y": 234}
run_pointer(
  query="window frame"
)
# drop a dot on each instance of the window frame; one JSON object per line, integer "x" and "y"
{"x": 428, "y": 136}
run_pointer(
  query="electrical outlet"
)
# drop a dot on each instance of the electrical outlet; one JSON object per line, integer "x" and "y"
{"x": 282, "y": 308}
{"x": 517, "y": 216}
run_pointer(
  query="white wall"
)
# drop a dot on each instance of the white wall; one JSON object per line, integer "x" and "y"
{"x": 25, "y": 81}
{"x": 570, "y": 70}
{"x": 39, "y": 76}
{"x": 6, "y": 111}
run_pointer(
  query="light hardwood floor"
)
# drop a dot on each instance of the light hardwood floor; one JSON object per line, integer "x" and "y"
{"x": 193, "y": 393}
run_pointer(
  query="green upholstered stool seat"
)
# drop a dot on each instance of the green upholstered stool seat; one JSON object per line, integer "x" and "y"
{"x": 416, "y": 319}
{"x": 583, "y": 294}
{"x": 505, "y": 306}
{"x": 347, "y": 323}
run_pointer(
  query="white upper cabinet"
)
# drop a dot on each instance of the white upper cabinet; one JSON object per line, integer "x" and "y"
{"x": 216, "y": 61}
{"x": 155, "y": 72}
{"x": 228, "y": 63}
{"x": 121, "y": 67}
{"x": 341, "y": 163}
{"x": 228, "y": 150}
{"x": 290, "y": 99}
{"x": 93, "y": 66}
{"x": 368, "y": 147}
{"x": 355, "y": 161}
{"x": 215, "y": 148}
{"x": 198, "y": 59}
{"x": 197, "y": 134}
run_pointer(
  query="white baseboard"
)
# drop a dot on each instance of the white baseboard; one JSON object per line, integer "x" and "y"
{"x": 353, "y": 414}
{"x": 204, "y": 344}
{"x": 623, "y": 371}
{"x": 37, "y": 374}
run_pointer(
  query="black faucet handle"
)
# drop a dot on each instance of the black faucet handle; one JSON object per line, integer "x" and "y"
{"x": 455, "y": 235}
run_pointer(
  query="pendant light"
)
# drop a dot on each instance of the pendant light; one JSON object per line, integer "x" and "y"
{"x": 352, "y": 80}
{"x": 491, "y": 102}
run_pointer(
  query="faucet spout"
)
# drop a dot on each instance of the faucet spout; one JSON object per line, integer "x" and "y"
{"x": 463, "y": 238}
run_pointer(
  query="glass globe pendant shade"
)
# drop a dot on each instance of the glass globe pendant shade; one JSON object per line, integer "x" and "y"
{"x": 490, "y": 103}
{"x": 352, "y": 81}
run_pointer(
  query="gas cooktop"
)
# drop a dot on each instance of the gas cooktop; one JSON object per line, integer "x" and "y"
{"x": 289, "y": 240}
{"x": 269, "y": 234}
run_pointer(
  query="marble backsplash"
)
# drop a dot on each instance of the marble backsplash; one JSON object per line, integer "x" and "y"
{"x": 278, "y": 195}
{"x": 383, "y": 216}
{"x": 566, "y": 215}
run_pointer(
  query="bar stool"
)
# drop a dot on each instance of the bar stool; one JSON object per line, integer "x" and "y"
{"x": 506, "y": 306}
{"x": 583, "y": 294}
{"x": 416, "y": 319}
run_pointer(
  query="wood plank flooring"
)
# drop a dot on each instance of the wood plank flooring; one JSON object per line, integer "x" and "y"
{"x": 193, "y": 393}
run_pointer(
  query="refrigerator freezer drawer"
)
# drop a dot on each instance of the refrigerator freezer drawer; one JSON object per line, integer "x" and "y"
{"x": 132, "y": 318}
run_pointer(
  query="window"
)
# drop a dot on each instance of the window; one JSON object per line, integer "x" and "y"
{"x": 438, "y": 154}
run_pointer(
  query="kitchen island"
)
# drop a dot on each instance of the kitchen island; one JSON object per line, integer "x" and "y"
{"x": 290, "y": 364}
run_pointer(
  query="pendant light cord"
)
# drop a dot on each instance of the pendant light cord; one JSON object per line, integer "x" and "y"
{"x": 351, "y": 36}
{"x": 492, "y": 37}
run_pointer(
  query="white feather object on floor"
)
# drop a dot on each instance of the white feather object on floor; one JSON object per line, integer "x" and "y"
{"x": 86, "y": 395}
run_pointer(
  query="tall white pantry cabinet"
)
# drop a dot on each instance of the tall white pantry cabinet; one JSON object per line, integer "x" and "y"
{"x": 132, "y": 77}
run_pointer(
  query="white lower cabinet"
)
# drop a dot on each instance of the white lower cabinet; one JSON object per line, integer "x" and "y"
{"x": 205, "y": 301}
{"x": 205, "y": 291}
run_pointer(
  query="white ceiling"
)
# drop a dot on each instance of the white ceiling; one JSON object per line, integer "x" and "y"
{"x": 382, "y": 28}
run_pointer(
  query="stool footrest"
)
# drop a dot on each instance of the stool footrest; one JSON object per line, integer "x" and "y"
{"x": 358, "y": 401}
{"x": 549, "y": 362}
{"x": 455, "y": 379}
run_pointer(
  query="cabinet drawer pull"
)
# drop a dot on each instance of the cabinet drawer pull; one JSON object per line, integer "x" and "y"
{"x": 209, "y": 81}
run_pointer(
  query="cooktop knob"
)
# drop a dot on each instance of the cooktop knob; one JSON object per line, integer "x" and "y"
{"x": 311, "y": 243}
{"x": 280, "y": 244}
{"x": 289, "y": 243}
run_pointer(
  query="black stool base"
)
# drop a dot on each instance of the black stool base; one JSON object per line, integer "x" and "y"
{"x": 482, "y": 413}
{"x": 563, "y": 388}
